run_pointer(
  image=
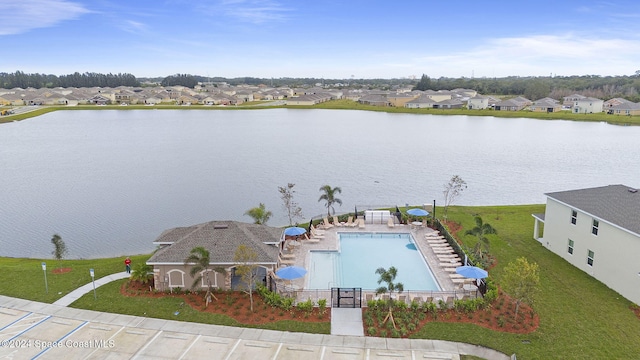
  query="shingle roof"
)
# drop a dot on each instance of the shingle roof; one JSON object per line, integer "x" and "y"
{"x": 221, "y": 239}
{"x": 616, "y": 204}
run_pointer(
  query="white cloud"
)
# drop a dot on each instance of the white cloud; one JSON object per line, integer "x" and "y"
{"x": 20, "y": 16}
{"x": 254, "y": 11}
{"x": 539, "y": 55}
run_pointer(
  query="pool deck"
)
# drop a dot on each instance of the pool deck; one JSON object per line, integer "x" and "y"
{"x": 302, "y": 258}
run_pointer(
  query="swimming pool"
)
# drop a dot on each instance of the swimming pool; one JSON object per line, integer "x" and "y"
{"x": 360, "y": 254}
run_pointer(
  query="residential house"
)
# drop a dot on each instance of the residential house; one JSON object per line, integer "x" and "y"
{"x": 309, "y": 99}
{"x": 569, "y": 100}
{"x": 374, "y": 99}
{"x": 546, "y": 105}
{"x": 614, "y": 102}
{"x": 478, "y": 102}
{"x": 628, "y": 108}
{"x": 588, "y": 105}
{"x": 421, "y": 102}
{"x": 438, "y": 95}
{"x": 448, "y": 104}
{"x": 221, "y": 239}
{"x": 598, "y": 231}
{"x": 509, "y": 105}
{"x": 400, "y": 99}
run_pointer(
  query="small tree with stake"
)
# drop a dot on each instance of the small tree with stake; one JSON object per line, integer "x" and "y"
{"x": 246, "y": 259}
{"x": 388, "y": 277}
{"x": 452, "y": 190}
{"x": 60, "y": 249}
{"x": 521, "y": 280}
{"x": 294, "y": 211}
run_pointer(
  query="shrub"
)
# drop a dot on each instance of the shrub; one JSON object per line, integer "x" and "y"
{"x": 371, "y": 331}
{"x": 322, "y": 305}
{"x": 306, "y": 306}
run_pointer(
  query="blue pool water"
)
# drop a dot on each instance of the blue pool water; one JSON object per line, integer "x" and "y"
{"x": 360, "y": 254}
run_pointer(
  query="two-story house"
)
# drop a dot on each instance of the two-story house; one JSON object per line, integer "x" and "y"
{"x": 598, "y": 231}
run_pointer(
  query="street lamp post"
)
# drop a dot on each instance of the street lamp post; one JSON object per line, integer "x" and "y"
{"x": 93, "y": 280}
{"x": 44, "y": 270}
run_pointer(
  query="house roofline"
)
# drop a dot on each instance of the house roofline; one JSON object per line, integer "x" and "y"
{"x": 594, "y": 216}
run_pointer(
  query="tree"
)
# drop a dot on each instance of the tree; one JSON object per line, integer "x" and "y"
{"x": 388, "y": 277}
{"x": 142, "y": 273}
{"x": 246, "y": 258}
{"x": 260, "y": 214}
{"x": 521, "y": 281}
{"x": 293, "y": 210}
{"x": 480, "y": 231}
{"x": 60, "y": 248}
{"x": 452, "y": 190}
{"x": 329, "y": 197}
{"x": 199, "y": 261}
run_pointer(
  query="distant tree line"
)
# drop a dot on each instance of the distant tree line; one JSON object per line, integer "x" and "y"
{"x": 189, "y": 81}
{"x": 534, "y": 88}
{"x": 20, "y": 79}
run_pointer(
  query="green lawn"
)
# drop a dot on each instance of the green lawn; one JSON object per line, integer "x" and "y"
{"x": 579, "y": 316}
{"x": 24, "y": 278}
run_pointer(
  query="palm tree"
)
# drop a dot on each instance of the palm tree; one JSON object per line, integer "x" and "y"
{"x": 259, "y": 214}
{"x": 329, "y": 197}
{"x": 199, "y": 260}
{"x": 480, "y": 231}
{"x": 388, "y": 277}
{"x": 142, "y": 273}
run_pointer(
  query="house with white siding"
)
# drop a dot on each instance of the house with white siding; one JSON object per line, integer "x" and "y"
{"x": 587, "y": 105}
{"x": 596, "y": 230}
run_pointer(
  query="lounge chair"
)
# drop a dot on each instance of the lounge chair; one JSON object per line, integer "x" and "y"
{"x": 337, "y": 222}
{"x": 316, "y": 230}
{"x": 450, "y": 264}
{"x": 355, "y": 222}
{"x": 349, "y": 221}
{"x": 390, "y": 223}
{"x": 311, "y": 241}
{"x": 361, "y": 224}
{"x": 287, "y": 256}
{"x": 326, "y": 224}
{"x": 315, "y": 235}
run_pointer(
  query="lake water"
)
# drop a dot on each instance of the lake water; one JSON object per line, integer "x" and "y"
{"x": 109, "y": 182}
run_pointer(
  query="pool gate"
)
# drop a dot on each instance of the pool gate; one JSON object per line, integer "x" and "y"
{"x": 346, "y": 297}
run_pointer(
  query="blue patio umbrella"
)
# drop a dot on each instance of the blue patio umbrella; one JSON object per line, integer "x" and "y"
{"x": 417, "y": 212}
{"x": 294, "y": 231}
{"x": 472, "y": 272}
{"x": 291, "y": 272}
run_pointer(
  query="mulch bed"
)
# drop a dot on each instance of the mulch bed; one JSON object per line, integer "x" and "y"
{"x": 235, "y": 304}
{"x": 500, "y": 316}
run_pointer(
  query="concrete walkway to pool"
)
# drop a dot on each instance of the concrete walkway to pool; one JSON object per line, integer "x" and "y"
{"x": 37, "y": 330}
{"x": 77, "y": 293}
{"x": 347, "y": 321}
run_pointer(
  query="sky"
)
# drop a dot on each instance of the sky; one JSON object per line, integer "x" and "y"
{"x": 331, "y": 39}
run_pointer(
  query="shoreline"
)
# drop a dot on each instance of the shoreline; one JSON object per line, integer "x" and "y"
{"x": 345, "y": 105}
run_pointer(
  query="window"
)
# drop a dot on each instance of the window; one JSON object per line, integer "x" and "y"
{"x": 574, "y": 217}
{"x": 590, "y": 258}
{"x": 594, "y": 228}
{"x": 570, "y": 248}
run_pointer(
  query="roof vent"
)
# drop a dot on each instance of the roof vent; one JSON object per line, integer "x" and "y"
{"x": 633, "y": 191}
{"x": 221, "y": 226}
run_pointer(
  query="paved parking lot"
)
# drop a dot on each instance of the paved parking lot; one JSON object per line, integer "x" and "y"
{"x": 32, "y": 330}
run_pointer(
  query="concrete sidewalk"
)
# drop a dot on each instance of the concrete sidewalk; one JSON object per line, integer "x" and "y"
{"x": 51, "y": 332}
{"x": 77, "y": 293}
